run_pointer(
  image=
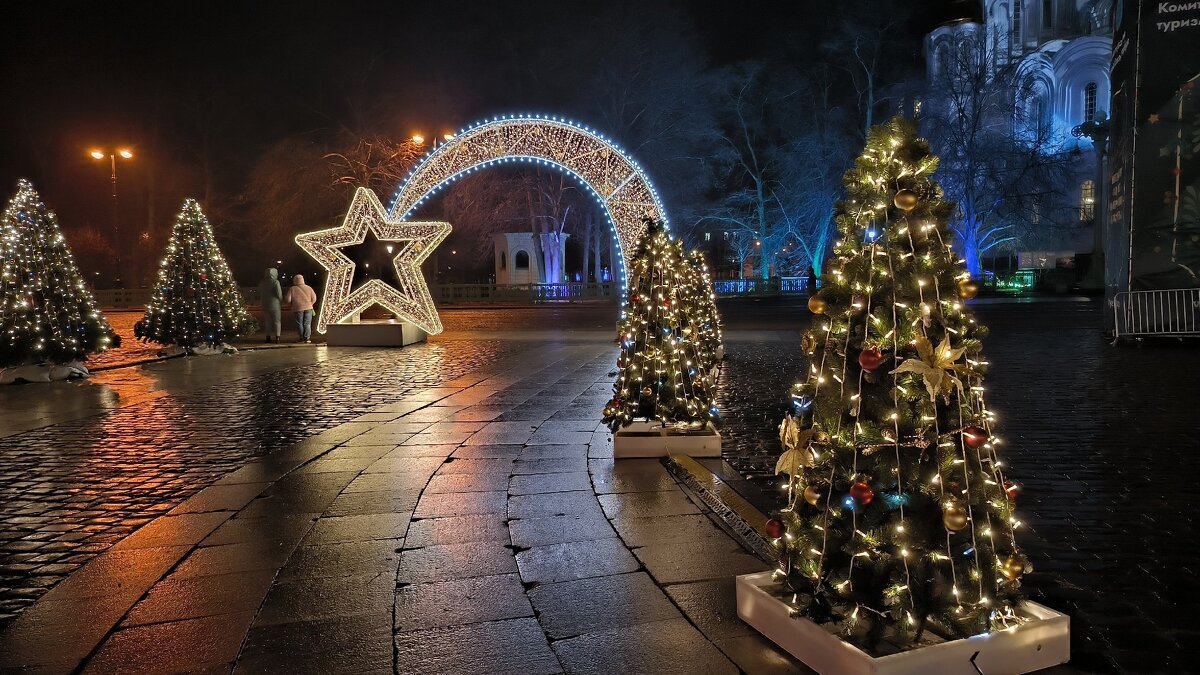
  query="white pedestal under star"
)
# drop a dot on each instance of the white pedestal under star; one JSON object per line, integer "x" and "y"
{"x": 416, "y": 240}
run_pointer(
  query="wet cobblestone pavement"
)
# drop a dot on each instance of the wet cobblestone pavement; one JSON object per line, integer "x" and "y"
{"x": 1101, "y": 439}
{"x": 72, "y": 490}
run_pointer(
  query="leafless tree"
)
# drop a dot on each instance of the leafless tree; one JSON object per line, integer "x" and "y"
{"x": 1002, "y": 161}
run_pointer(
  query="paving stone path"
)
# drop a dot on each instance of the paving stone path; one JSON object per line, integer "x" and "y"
{"x": 72, "y": 490}
{"x": 478, "y": 526}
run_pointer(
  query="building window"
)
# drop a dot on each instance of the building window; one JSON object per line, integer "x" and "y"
{"x": 1087, "y": 200}
{"x": 1035, "y": 211}
{"x": 503, "y": 260}
{"x": 1089, "y": 102}
{"x": 521, "y": 260}
{"x": 1015, "y": 40}
{"x": 1047, "y": 14}
{"x": 708, "y": 236}
{"x": 917, "y": 107}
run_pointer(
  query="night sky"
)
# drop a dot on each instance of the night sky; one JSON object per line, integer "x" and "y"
{"x": 199, "y": 90}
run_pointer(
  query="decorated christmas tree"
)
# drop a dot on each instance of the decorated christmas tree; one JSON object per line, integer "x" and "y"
{"x": 900, "y": 519}
{"x": 665, "y": 371}
{"x": 701, "y": 301}
{"x": 47, "y": 314}
{"x": 196, "y": 301}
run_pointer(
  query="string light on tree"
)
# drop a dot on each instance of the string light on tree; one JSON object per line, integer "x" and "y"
{"x": 416, "y": 240}
{"x": 196, "y": 301}
{"x": 667, "y": 368}
{"x": 903, "y": 515}
{"x": 47, "y": 313}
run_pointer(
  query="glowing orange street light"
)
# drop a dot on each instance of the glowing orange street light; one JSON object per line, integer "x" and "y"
{"x": 418, "y": 139}
{"x": 447, "y": 136}
{"x": 125, "y": 153}
{"x": 96, "y": 154}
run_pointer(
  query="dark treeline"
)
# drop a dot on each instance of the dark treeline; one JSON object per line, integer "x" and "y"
{"x": 271, "y": 113}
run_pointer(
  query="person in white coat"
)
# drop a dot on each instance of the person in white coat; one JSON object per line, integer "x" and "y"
{"x": 301, "y": 298}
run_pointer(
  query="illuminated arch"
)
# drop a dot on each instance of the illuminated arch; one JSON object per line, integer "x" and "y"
{"x": 616, "y": 181}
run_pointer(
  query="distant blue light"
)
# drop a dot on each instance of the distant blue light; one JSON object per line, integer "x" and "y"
{"x": 849, "y": 503}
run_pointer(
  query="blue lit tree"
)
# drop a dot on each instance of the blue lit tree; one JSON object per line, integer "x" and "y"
{"x": 1005, "y": 164}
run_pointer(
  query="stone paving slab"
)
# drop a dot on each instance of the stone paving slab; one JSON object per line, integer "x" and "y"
{"x": 372, "y": 557}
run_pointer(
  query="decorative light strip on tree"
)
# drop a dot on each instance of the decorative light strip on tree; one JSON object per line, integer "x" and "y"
{"x": 411, "y": 302}
{"x": 196, "y": 301}
{"x": 699, "y": 294}
{"x": 899, "y": 512}
{"x": 617, "y": 182}
{"x": 47, "y": 314}
{"x": 667, "y": 366}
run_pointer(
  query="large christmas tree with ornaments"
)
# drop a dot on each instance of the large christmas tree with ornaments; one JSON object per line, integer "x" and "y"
{"x": 47, "y": 313}
{"x": 196, "y": 301}
{"x": 900, "y": 518}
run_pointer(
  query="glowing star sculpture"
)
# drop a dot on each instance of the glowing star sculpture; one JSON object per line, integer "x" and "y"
{"x": 616, "y": 181}
{"x": 411, "y": 302}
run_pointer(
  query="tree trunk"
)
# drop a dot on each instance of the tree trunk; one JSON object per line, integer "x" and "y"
{"x": 588, "y": 223}
{"x": 597, "y": 239}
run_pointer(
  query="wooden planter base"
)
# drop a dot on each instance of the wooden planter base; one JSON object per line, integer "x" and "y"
{"x": 1042, "y": 642}
{"x": 650, "y": 439}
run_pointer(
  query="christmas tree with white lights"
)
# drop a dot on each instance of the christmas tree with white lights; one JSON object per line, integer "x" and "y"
{"x": 666, "y": 370}
{"x": 196, "y": 301}
{"x": 47, "y": 314}
{"x": 900, "y": 519}
{"x": 700, "y": 300}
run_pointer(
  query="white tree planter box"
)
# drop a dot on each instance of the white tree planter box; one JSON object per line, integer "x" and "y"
{"x": 1043, "y": 642}
{"x": 650, "y": 439}
{"x": 383, "y": 333}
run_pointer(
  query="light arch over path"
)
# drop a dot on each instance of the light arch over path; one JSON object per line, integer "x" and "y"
{"x": 617, "y": 182}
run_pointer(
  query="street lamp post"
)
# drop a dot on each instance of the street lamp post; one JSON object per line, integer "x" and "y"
{"x": 123, "y": 153}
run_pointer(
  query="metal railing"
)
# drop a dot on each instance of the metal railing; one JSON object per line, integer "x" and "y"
{"x": 1174, "y": 312}
{"x": 772, "y": 286}
{"x": 447, "y": 294}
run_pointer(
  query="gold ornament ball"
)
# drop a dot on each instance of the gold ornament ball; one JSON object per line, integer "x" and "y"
{"x": 955, "y": 518}
{"x": 905, "y": 200}
{"x": 808, "y": 343}
{"x": 967, "y": 289}
{"x": 1012, "y": 568}
{"x": 812, "y": 495}
{"x": 647, "y": 391}
{"x": 816, "y": 305}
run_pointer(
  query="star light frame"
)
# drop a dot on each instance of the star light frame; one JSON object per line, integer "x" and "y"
{"x": 615, "y": 179}
{"x": 412, "y": 301}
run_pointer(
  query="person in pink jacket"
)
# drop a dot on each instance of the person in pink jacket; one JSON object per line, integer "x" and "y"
{"x": 301, "y": 298}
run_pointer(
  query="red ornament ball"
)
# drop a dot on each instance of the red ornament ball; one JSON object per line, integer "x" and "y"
{"x": 862, "y": 493}
{"x": 1010, "y": 490}
{"x": 203, "y": 276}
{"x": 974, "y": 436}
{"x": 773, "y": 529}
{"x": 870, "y": 359}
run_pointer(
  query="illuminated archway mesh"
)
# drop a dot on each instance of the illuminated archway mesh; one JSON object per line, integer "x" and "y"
{"x": 617, "y": 182}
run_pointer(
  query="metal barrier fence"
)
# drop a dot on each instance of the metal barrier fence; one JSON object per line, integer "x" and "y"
{"x": 448, "y": 294}
{"x": 772, "y": 286}
{"x": 1174, "y": 312}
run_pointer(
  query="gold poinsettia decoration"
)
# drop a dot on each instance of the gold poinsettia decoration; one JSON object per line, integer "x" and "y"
{"x": 795, "y": 447}
{"x": 938, "y": 367}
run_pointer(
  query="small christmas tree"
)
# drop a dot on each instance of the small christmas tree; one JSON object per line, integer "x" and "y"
{"x": 196, "y": 300}
{"x": 665, "y": 372}
{"x": 899, "y": 517}
{"x": 47, "y": 314}
{"x": 701, "y": 301}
